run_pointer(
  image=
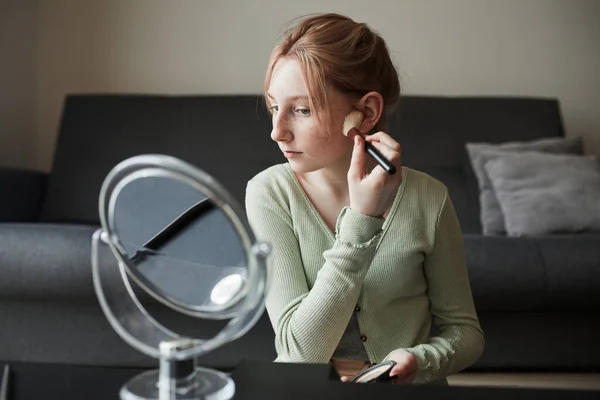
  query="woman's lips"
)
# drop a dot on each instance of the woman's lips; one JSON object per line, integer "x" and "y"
{"x": 291, "y": 154}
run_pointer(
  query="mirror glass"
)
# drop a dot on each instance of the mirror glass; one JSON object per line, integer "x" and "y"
{"x": 178, "y": 243}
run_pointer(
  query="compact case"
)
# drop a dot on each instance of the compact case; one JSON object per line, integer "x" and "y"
{"x": 377, "y": 373}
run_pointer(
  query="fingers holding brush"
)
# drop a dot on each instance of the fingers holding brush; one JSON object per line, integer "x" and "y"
{"x": 387, "y": 148}
{"x": 357, "y": 164}
{"x": 371, "y": 193}
{"x": 350, "y": 129}
{"x": 384, "y": 139}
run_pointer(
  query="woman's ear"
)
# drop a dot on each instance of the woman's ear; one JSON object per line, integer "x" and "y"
{"x": 371, "y": 105}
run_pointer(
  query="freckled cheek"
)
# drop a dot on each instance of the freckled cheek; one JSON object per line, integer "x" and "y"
{"x": 310, "y": 132}
{"x": 330, "y": 147}
{"x": 320, "y": 140}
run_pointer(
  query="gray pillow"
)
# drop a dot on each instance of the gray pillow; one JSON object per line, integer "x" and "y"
{"x": 492, "y": 220}
{"x": 541, "y": 193}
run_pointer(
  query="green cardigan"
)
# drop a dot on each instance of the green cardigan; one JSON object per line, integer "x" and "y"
{"x": 404, "y": 273}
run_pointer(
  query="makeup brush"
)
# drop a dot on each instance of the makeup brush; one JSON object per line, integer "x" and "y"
{"x": 353, "y": 121}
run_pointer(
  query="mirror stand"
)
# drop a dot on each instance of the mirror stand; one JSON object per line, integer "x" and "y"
{"x": 179, "y": 376}
{"x": 178, "y": 379}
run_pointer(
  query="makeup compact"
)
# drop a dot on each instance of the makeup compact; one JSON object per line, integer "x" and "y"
{"x": 376, "y": 373}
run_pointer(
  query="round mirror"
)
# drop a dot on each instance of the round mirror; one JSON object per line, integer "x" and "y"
{"x": 181, "y": 237}
{"x": 178, "y": 243}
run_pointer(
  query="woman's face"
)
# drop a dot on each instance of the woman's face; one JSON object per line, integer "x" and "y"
{"x": 309, "y": 143}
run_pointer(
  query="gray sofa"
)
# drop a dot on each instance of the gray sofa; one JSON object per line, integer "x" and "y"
{"x": 538, "y": 298}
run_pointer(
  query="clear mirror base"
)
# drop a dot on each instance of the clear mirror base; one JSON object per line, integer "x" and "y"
{"x": 208, "y": 384}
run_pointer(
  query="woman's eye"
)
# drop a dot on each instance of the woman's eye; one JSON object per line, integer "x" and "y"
{"x": 274, "y": 109}
{"x": 304, "y": 111}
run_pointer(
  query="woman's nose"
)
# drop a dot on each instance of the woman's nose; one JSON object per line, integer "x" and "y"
{"x": 281, "y": 131}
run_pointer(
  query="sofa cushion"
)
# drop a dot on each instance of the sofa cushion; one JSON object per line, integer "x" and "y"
{"x": 51, "y": 262}
{"x": 572, "y": 271}
{"x": 43, "y": 261}
{"x": 546, "y": 273}
{"x": 433, "y": 132}
{"x": 546, "y": 193}
{"x": 561, "y": 341}
{"x": 77, "y": 332}
{"x": 226, "y": 136}
{"x": 22, "y": 194}
{"x": 454, "y": 179}
{"x": 492, "y": 217}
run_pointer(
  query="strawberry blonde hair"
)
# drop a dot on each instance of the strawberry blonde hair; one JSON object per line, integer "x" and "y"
{"x": 338, "y": 53}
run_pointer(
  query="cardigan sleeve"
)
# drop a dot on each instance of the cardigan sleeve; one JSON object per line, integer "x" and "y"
{"x": 460, "y": 340}
{"x": 309, "y": 324}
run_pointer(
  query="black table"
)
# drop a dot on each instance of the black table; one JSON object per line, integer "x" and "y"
{"x": 253, "y": 381}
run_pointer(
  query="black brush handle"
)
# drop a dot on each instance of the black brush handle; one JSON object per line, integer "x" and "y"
{"x": 384, "y": 162}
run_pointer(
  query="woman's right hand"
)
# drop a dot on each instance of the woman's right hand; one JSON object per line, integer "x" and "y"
{"x": 372, "y": 193}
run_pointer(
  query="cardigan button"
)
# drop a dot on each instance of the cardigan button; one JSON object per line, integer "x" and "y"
{"x": 363, "y": 338}
{"x": 357, "y": 309}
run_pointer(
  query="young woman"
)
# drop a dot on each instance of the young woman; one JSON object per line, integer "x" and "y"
{"x": 364, "y": 262}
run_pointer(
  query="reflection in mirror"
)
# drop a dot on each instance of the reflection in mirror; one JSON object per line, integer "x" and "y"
{"x": 179, "y": 243}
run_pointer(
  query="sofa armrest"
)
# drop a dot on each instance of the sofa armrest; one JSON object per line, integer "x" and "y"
{"x": 22, "y": 192}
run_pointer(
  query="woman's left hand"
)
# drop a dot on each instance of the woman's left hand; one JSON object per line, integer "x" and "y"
{"x": 406, "y": 366}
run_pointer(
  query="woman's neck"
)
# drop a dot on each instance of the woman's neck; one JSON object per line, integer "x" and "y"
{"x": 333, "y": 180}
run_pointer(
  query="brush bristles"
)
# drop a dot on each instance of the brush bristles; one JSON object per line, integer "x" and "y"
{"x": 352, "y": 120}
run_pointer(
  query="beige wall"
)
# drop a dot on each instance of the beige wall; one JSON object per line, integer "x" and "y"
{"x": 453, "y": 47}
{"x": 17, "y": 83}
